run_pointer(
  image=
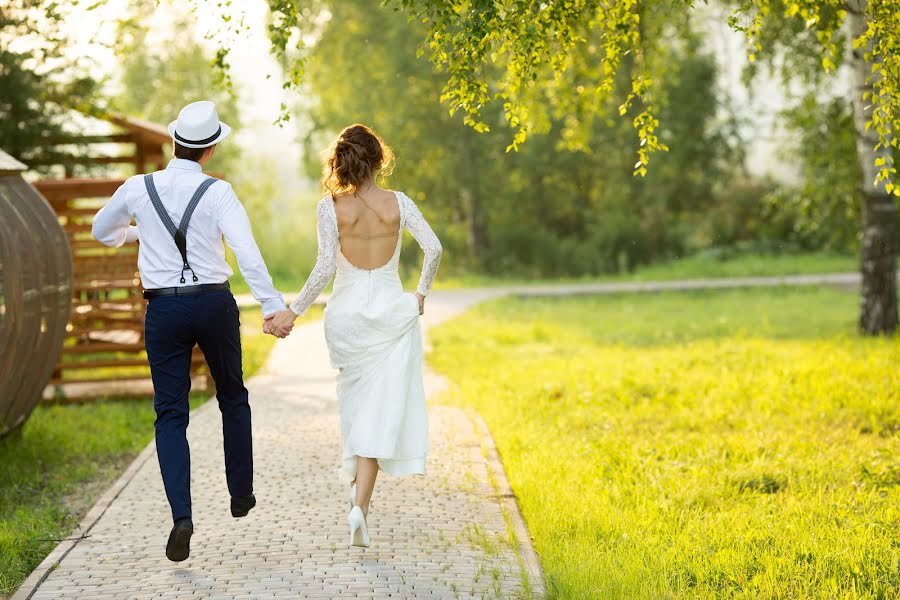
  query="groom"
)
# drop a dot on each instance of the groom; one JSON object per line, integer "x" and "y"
{"x": 181, "y": 217}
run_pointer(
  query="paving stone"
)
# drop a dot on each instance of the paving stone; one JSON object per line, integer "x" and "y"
{"x": 294, "y": 543}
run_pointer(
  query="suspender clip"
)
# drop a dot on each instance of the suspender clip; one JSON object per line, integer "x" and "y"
{"x": 187, "y": 267}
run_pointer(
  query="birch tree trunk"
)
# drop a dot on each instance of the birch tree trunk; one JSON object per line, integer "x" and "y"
{"x": 878, "y": 261}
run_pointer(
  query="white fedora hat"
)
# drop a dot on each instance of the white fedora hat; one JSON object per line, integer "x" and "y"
{"x": 198, "y": 126}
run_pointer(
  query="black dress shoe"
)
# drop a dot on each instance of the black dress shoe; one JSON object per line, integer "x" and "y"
{"x": 241, "y": 505}
{"x": 179, "y": 546}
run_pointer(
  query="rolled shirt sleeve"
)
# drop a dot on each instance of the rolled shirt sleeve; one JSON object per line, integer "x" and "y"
{"x": 112, "y": 223}
{"x": 235, "y": 225}
{"x": 132, "y": 235}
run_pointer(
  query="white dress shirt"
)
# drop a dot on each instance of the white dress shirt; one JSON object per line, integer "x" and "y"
{"x": 218, "y": 213}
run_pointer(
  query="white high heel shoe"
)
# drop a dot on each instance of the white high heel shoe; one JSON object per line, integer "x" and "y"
{"x": 359, "y": 535}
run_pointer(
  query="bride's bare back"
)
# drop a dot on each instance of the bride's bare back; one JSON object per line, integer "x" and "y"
{"x": 369, "y": 224}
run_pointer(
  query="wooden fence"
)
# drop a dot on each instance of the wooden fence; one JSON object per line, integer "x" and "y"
{"x": 105, "y": 336}
{"x": 104, "y": 344}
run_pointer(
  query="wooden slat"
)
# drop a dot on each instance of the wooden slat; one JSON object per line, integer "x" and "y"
{"x": 60, "y": 190}
{"x": 78, "y": 227}
{"x": 81, "y": 244}
{"x": 100, "y": 364}
{"x": 118, "y": 280}
{"x": 129, "y": 363}
{"x": 130, "y": 377}
{"x": 123, "y": 377}
{"x": 72, "y": 159}
{"x": 150, "y": 134}
{"x": 115, "y": 138}
{"x": 89, "y": 327}
{"x": 117, "y": 362}
{"x": 112, "y": 322}
{"x": 118, "y": 305}
{"x": 86, "y": 277}
{"x": 98, "y": 347}
{"x": 130, "y": 317}
{"x": 119, "y": 258}
{"x": 102, "y": 256}
{"x": 121, "y": 284}
{"x": 78, "y": 212}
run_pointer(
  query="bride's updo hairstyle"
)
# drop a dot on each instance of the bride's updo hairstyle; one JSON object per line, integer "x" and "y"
{"x": 355, "y": 156}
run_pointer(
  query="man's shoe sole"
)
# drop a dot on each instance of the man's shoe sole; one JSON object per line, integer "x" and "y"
{"x": 179, "y": 546}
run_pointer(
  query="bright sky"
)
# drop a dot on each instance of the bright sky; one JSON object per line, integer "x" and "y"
{"x": 257, "y": 76}
{"x": 758, "y": 107}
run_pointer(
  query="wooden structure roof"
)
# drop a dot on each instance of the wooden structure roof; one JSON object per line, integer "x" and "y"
{"x": 9, "y": 165}
{"x": 143, "y": 132}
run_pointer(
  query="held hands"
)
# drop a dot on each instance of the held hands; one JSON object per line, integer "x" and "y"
{"x": 279, "y": 323}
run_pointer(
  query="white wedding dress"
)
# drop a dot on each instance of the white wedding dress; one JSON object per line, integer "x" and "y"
{"x": 375, "y": 341}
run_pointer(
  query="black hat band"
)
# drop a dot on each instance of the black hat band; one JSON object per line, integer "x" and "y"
{"x": 208, "y": 140}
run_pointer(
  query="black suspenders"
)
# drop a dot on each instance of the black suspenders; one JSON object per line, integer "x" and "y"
{"x": 178, "y": 233}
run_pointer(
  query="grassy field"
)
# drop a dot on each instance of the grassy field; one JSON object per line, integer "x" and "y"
{"x": 730, "y": 444}
{"x": 67, "y": 455}
{"x": 700, "y": 266}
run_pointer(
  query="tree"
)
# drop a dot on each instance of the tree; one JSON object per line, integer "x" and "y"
{"x": 536, "y": 39}
{"x": 523, "y": 55}
{"x": 867, "y": 31}
{"x": 341, "y": 89}
{"x": 823, "y": 211}
{"x": 39, "y": 83}
{"x": 158, "y": 79}
{"x": 550, "y": 209}
{"x": 873, "y": 40}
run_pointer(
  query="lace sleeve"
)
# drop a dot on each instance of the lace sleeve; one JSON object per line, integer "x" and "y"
{"x": 416, "y": 224}
{"x": 322, "y": 273}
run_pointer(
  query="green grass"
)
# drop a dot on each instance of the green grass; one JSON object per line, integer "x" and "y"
{"x": 255, "y": 345}
{"x": 65, "y": 456}
{"x": 747, "y": 265}
{"x": 728, "y": 444}
{"x": 699, "y": 266}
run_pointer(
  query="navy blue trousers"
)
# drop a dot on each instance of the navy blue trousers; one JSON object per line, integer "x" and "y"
{"x": 172, "y": 326}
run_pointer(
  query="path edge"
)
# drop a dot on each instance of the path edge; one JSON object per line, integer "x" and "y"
{"x": 50, "y": 562}
{"x": 508, "y": 501}
{"x": 40, "y": 573}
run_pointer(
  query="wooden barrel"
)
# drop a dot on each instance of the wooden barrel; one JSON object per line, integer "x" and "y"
{"x": 35, "y": 293}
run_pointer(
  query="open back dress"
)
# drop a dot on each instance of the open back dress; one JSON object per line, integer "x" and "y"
{"x": 375, "y": 341}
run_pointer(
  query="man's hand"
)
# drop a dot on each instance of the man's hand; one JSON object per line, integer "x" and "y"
{"x": 280, "y": 323}
{"x": 267, "y": 324}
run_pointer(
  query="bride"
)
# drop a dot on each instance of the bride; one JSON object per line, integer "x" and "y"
{"x": 371, "y": 325}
